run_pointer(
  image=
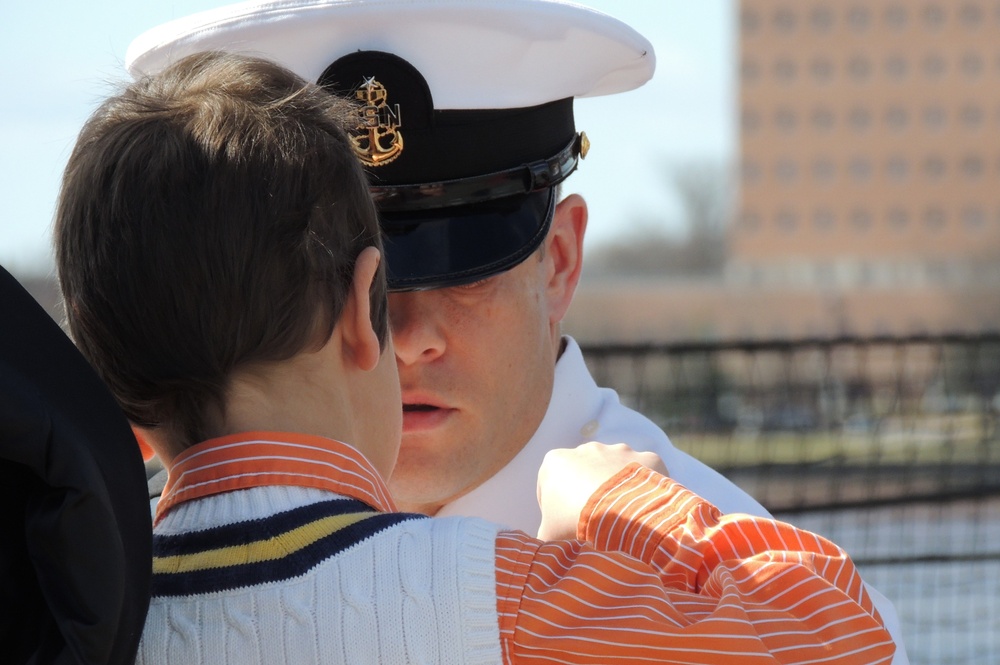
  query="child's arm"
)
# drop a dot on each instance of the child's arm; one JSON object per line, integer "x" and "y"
{"x": 662, "y": 577}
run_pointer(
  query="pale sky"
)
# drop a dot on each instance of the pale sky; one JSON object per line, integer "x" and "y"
{"x": 61, "y": 58}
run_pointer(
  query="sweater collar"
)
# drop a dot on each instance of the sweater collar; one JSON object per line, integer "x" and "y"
{"x": 256, "y": 459}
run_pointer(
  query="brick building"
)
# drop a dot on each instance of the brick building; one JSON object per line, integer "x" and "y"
{"x": 869, "y": 196}
{"x": 870, "y": 157}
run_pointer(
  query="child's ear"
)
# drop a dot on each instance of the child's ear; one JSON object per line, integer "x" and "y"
{"x": 361, "y": 345}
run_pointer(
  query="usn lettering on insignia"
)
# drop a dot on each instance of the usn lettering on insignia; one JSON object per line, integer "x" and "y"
{"x": 377, "y": 139}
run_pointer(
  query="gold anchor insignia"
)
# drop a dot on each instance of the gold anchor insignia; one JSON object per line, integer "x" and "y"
{"x": 377, "y": 139}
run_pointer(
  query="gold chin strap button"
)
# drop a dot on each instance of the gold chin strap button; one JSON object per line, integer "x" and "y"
{"x": 584, "y": 145}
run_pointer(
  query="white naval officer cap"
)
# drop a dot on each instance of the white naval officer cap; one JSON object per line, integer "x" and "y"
{"x": 465, "y": 122}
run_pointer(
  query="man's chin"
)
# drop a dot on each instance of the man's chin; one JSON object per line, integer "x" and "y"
{"x": 418, "y": 502}
{"x": 414, "y": 486}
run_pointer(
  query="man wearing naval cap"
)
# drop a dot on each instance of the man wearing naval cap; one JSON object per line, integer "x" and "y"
{"x": 466, "y": 130}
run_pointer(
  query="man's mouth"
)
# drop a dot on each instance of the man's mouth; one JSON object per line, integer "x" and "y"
{"x": 422, "y": 417}
{"x": 411, "y": 408}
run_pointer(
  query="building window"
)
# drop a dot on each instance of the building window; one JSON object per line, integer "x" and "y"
{"x": 898, "y": 219}
{"x": 934, "y": 66}
{"x": 749, "y": 21}
{"x": 784, "y": 20}
{"x": 859, "y": 67}
{"x": 821, "y": 19}
{"x": 786, "y": 221}
{"x": 860, "y": 169}
{"x": 786, "y": 171}
{"x": 859, "y": 18}
{"x": 934, "y": 117}
{"x": 823, "y": 219}
{"x": 784, "y": 120}
{"x": 823, "y": 170}
{"x": 897, "y": 118}
{"x": 971, "y": 15}
{"x": 971, "y": 116}
{"x": 972, "y": 64}
{"x": 822, "y": 118}
{"x": 860, "y": 119}
{"x": 972, "y": 167}
{"x": 934, "y": 219}
{"x": 934, "y": 167}
{"x": 750, "y": 121}
{"x": 896, "y": 67}
{"x": 897, "y": 168}
{"x": 861, "y": 219}
{"x": 896, "y": 17}
{"x": 750, "y": 172}
{"x": 749, "y": 71}
{"x": 933, "y": 16}
{"x": 974, "y": 219}
{"x": 784, "y": 70}
{"x": 821, "y": 69}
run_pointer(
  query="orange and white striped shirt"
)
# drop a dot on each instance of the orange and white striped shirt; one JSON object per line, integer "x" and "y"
{"x": 656, "y": 575}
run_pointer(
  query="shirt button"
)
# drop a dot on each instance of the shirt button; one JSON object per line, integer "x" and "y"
{"x": 590, "y": 428}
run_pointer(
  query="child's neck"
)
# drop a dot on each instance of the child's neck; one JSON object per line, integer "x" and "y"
{"x": 302, "y": 395}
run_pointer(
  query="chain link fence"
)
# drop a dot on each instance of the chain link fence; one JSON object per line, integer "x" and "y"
{"x": 888, "y": 446}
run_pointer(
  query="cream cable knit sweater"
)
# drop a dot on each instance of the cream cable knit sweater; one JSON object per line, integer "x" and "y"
{"x": 414, "y": 602}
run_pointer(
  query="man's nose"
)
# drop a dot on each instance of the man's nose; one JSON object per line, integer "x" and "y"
{"x": 416, "y": 332}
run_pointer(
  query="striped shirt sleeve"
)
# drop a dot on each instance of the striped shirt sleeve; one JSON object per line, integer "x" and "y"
{"x": 658, "y": 575}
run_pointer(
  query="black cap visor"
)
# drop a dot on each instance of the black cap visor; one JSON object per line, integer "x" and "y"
{"x": 436, "y": 248}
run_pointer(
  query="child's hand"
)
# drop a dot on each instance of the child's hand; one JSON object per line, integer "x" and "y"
{"x": 569, "y": 476}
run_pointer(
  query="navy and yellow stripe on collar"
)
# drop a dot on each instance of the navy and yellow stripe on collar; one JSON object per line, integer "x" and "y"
{"x": 270, "y": 549}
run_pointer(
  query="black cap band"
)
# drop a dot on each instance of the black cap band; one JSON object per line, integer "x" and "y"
{"x": 523, "y": 179}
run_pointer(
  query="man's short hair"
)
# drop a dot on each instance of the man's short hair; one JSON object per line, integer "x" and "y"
{"x": 210, "y": 218}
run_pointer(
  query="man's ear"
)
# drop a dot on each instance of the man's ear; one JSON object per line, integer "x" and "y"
{"x": 361, "y": 347}
{"x": 564, "y": 254}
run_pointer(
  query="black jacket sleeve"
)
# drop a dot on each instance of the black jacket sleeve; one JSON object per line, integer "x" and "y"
{"x": 74, "y": 518}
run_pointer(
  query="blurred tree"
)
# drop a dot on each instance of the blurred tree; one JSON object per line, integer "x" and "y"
{"x": 705, "y": 193}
